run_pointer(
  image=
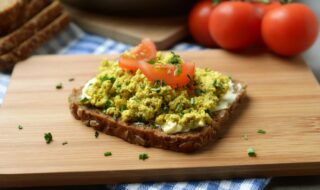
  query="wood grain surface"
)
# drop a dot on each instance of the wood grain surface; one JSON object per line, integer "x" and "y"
{"x": 283, "y": 100}
{"x": 164, "y": 32}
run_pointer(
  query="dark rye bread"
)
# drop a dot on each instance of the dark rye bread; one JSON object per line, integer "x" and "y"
{"x": 25, "y": 49}
{"x": 147, "y": 136}
{"x": 14, "y": 13}
{"x": 42, "y": 19}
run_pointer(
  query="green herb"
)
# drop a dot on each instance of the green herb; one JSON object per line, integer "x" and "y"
{"x": 59, "y": 86}
{"x": 48, "y": 138}
{"x": 108, "y": 104}
{"x": 166, "y": 92}
{"x": 179, "y": 108}
{"x": 152, "y": 61}
{"x": 261, "y": 131}
{"x": 217, "y": 84}
{"x": 65, "y": 143}
{"x": 245, "y": 137}
{"x": 165, "y": 108}
{"x": 123, "y": 107}
{"x": 84, "y": 100}
{"x": 157, "y": 90}
{"x": 163, "y": 83}
{"x": 156, "y": 83}
{"x": 20, "y": 127}
{"x": 71, "y": 79}
{"x": 96, "y": 134}
{"x": 175, "y": 59}
{"x": 198, "y": 91}
{"x": 178, "y": 70}
{"x": 251, "y": 152}
{"x": 143, "y": 156}
{"x": 107, "y": 154}
{"x": 104, "y": 78}
{"x": 153, "y": 126}
{"x": 192, "y": 101}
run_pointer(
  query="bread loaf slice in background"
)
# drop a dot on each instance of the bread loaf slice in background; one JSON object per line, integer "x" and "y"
{"x": 25, "y": 49}
{"x": 38, "y": 22}
{"x": 150, "y": 137}
{"x": 14, "y": 13}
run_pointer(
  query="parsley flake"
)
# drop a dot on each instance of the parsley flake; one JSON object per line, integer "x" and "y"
{"x": 59, "y": 86}
{"x": 143, "y": 156}
{"x": 20, "y": 127}
{"x": 65, "y": 143}
{"x": 175, "y": 59}
{"x": 96, "y": 134}
{"x": 107, "y": 154}
{"x": 261, "y": 131}
{"x": 251, "y": 152}
{"x": 48, "y": 138}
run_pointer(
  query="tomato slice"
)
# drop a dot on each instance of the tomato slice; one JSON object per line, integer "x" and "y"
{"x": 166, "y": 72}
{"x": 146, "y": 50}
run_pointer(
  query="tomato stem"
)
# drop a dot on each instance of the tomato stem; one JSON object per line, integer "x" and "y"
{"x": 215, "y": 2}
{"x": 285, "y": 1}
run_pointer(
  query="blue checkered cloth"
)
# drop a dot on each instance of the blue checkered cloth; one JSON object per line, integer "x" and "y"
{"x": 73, "y": 40}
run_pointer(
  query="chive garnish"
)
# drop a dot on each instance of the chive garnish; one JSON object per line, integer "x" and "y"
{"x": 48, "y": 138}
{"x": 143, "y": 156}
{"x": 107, "y": 154}
{"x": 192, "y": 101}
{"x": 261, "y": 131}
{"x": 251, "y": 152}
{"x": 59, "y": 86}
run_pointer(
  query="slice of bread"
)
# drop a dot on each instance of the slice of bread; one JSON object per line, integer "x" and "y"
{"x": 14, "y": 13}
{"x": 42, "y": 19}
{"x": 24, "y": 50}
{"x": 148, "y": 136}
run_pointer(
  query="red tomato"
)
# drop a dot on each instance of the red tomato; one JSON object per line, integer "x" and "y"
{"x": 167, "y": 73}
{"x": 290, "y": 29}
{"x": 146, "y": 50}
{"x": 198, "y": 22}
{"x": 235, "y": 25}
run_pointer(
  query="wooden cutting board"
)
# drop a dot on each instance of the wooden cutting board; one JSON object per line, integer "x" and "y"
{"x": 283, "y": 100}
{"x": 164, "y": 32}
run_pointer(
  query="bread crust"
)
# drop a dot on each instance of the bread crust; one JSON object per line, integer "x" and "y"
{"x": 146, "y": 136}
{"x": 42, "y": 19}
{"x": 24, "y": 50}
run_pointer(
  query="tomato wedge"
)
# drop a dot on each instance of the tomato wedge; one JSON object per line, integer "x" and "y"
{"x": 167, "y": 73}
{"x": 146, "y": 50}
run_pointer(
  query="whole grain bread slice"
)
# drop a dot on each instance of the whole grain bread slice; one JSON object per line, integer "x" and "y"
{"x": 14, "y": 13}
{"x": 38, "y": 22}
{"x": 149, "y": 137}
{"x": 24, "y": 50}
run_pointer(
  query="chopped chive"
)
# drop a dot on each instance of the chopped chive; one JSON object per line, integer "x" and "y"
{"x": 48, "y": 138}
{"x": 123, "y": 107}
{"x": 251, "y": 152}
{"x": 20, "y": 127}
{"x": 261, "y": 131}
{"x": 107, "y": 154}
{"x": 192, "y": 101}
{"x": 157, "y": 90}
{"x": 65, "y": 143}
{"x": 84, "y": 100}
{"x": 71, "y": 79}
{"x": 143, "y": 156}
{"x": 96, "y": 134}
{"x": 59, "y": 86}
{"x": 152, "y": 61}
